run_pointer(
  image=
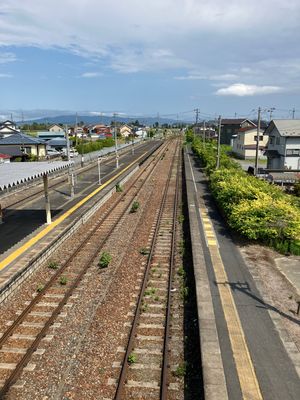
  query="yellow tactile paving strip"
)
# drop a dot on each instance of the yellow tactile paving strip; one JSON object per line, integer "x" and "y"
{"x": 21, "y": 250}
{"x": 246, "y": 374}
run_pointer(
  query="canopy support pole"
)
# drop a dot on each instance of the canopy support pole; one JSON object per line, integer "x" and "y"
{"x": 47, "y": 200}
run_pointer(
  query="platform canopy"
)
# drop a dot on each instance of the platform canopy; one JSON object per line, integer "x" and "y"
{"x": 13, "y": 174}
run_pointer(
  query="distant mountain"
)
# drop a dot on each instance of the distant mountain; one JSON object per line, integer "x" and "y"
{"x": 96, "y": 119}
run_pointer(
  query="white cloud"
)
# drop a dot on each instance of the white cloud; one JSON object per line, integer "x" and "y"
{"x": 5, "y": 75}
{"x": 91, "y": 74}
{"x": 138, "y": 35}
{"x": 6, "y": 57}
{"x": 241, "y": 89}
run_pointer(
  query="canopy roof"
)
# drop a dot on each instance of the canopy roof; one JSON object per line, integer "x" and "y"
{"x": 13, "y": 174}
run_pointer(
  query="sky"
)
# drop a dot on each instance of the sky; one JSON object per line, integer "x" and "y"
{"x": 142, "y": 57}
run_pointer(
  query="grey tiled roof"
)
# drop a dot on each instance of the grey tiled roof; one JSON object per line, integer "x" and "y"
{"x": 11, "y": 151}
{"x": 20, "y": 139}
{"x": 286, "y": 127}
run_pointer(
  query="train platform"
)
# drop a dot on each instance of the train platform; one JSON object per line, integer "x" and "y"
{"x": 246, "y": 351}
{"x": 26, "y": 241}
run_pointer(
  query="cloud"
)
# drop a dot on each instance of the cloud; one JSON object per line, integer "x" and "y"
{"x": 196, "y": 76}
{"x": 6, "y": 75}
{"x": 7, "y": 57}
{"x": 132, "y": 32}
{"x": 241, "y": 89}
{"x": 91, "y": 74}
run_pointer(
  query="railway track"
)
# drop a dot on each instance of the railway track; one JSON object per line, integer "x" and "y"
{"x": 53, "y": 185}
{"x": 23, "y": 337}
{"x": 145, "y": 371}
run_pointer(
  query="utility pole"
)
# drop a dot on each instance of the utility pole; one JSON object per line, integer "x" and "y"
{"x": 71, "y": 174}
{"x": 116, "y": 143}
{"x": 219, "y": 142}
{"x": 293, "y": 112}
{"x": 257, "y": 141}
{"x": 271, "y": 112}
{"x": 197, "y": 116}
{"x": 76, "y": 122}
{"x": 204, "y": 132}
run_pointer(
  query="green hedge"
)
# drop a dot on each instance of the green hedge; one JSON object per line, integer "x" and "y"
{"x": 88, "y": 147}
{"x": 253, "y": 207}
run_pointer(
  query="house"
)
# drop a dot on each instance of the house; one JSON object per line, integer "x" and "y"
{"x": 4, "y": 158}
{"x": 8, "y": 128}
{"x": 283, "y": 150}
{"x": 47, "y": 135}
{"x": 27, "y": 144}
{"x": 125, "y": 131}
{"x": 57, "y": 144}
{"x": 56, "y": 128}
{"x": 13, "y": 152}
{"x": 100, "y": 129}
{"x": 244, "y": 144}
{"x": 229, "y": 127}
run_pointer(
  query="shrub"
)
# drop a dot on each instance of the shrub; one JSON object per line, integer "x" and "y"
{"x": 104, "y": 260}
{"x": 180, "y": 371}
{"x": 53, "y": 265}
{"x": 135, "y": 206}
{"x": 132, "y": 358}
{"x": 119, "y": 188}
{"x": 39, "y": 288}
{"x": 253, "y": 207}
{"x": 144, "y": 251}
{"x": 63, "y": 280}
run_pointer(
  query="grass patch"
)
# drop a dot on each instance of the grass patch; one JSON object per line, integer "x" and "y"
{"x": 135, "y": 206}
{"x": 63, "y": 280}
{"x": 53, "y": 265}
{"x": 119, "y": 188}
{"x": 104, "y": 260}
{"x": 132, "y": 358}
{"x": 40, "y": 288}
{"x": 180, "y": 371}
{"x": 144, "y": 251}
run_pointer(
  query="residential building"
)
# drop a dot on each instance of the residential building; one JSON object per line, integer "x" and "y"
{"x": 100, "y": 129}
{"x": 125, "y": 131}
{"x": 27, "y": 144}
{"x": 244, "y": 144}
{"x": 8, "y": 128}
{"x": 229, "y": 128}
{"x": 13, "y": 152}
{"x": 283, "y": 150}
{"x": 4, "y": 158}
{"x": 56, "y": 128}
{"x": 49, "y": 135}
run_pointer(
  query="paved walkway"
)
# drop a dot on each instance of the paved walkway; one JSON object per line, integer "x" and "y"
{"x": 255, "y": 358}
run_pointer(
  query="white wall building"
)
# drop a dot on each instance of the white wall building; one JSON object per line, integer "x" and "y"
{"x": 283, "y": 151}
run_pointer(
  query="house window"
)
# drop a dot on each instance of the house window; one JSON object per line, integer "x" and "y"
{"x": 278, "y": 140}
{"x": 271, "y": 140}
{"x": 261, "y": 138}
{"x": 293, "y": 152}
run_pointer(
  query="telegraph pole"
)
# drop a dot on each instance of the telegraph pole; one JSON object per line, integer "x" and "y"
{"x": 204, "y": 131}
{"x": 197, "y": 115}
{"x": 219, "y": 142}
{"x": 293, "y": 112}
{"x": 116, "y": 143}
{"x": 271, "y": 112}
{"x": 71, "y": 174}
{"x": 257, "y": 141}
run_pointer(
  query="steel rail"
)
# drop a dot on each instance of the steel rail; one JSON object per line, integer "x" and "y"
{"x": 32, "y": 348}
{"x": 59, "y": 272}
{"x": 129, "y": 347}
{"x": 165, "y": 362}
